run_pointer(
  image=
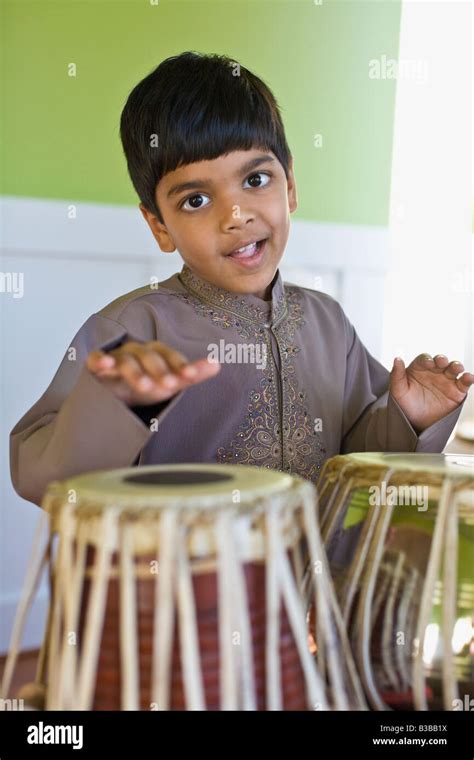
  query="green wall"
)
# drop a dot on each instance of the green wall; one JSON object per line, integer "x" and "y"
{"x": 60, "y": 134}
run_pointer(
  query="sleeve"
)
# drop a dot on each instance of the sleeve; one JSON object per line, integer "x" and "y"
{"x": 372, "y": 419}
{"x": 78, "y": 425}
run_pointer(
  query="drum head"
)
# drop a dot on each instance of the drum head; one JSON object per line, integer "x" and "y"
{"x": 161, "y": 485}
{"x": 454, "y": 464}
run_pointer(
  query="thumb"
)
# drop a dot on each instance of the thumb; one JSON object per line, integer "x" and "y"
{"x": 398, "y": 376}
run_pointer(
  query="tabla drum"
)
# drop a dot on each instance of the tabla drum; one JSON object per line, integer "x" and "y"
{"x": 399, "y": 532}
{"x": 180, "y": 587}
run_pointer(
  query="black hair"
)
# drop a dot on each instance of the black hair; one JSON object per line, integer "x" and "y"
{"x": 196, "y": 107}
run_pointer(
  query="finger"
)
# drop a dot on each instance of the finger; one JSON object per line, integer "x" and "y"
{"x": 454, "y": 369}
{"x": 398, "y": 377}
{"x": 465, "y": 381}
{"x": 423, "y": 361}
{"x": 155, "y": 365}
{"x": 398, "y": 368}
{"x": 441, "y": 361}
{"x": 98, "y": 361}
{"x": 155, "y": 370}
{"x": 192, "y": 373}
{"x": 132, "y": 372}
{"x": 152, "y": 362}
{"x": 175, "y": 359}
{"x": 202, "y": 369}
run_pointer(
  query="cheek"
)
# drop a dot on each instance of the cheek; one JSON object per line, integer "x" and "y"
{"x": 196, "y": 238}
{"x": 187, "y": 228}
{"x": 275, "y": 210}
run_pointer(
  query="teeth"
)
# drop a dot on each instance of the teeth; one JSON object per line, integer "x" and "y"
{"x": 245, "y": 248}
{"x": 248, "y": 250}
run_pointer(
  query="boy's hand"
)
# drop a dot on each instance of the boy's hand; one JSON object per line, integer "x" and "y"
{"x": 146, "y": 373}
{"x": 428, "y": 389}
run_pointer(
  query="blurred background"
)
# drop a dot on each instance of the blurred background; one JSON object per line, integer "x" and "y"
{"x": 376, "y": 98}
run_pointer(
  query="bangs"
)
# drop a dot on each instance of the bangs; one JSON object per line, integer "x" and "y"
{"x": 196, "y": 108}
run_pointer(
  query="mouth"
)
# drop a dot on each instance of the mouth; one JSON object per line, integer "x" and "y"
{"x": 250, "y": 254}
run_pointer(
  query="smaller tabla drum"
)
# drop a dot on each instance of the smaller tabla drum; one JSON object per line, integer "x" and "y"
{"x": 399, "y": 532}
{"x": 179, "y": 587}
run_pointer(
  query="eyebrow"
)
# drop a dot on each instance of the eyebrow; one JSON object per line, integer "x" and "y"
{"x": 196, "y": 184}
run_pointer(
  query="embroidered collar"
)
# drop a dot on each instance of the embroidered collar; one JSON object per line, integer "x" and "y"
{"x": 248, "y": 307}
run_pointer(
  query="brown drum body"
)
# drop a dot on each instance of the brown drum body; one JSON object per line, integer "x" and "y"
{"x": 209, "y": 567}
{"x": 212, "y": 567}
{"x": 107, "y": 691}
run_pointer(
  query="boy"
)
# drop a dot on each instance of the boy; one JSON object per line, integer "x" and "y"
{"x": 292, "y": 384}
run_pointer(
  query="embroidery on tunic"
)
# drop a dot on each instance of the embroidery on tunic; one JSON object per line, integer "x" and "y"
{"x": 258, "y": 440}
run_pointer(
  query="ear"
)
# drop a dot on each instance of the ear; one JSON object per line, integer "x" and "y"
{"x": 159, "y": 231}
{"x": 291, "y": 183}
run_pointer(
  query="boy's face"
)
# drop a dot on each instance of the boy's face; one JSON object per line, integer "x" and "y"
{"x": 228, "y": 202}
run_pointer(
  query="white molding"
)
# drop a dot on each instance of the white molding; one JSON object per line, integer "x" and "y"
{"x": 37, "y": 225}
{"x": 335, "y": 258}
{"x": 105, "y": 231}
{"x": 338, "y": 246}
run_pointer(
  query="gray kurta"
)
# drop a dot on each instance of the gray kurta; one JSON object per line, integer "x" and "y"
{"x": 320, "y": 392}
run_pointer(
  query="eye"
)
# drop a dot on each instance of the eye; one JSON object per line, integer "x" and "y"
{"x": 191, "y": 199}
{"x": 259, "y": 174}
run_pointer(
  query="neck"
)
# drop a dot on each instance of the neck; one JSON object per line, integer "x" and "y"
{"x": 265, "y": 295}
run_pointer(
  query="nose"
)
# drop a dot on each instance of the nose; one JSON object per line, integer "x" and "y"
{"x": 235, "y": 217}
